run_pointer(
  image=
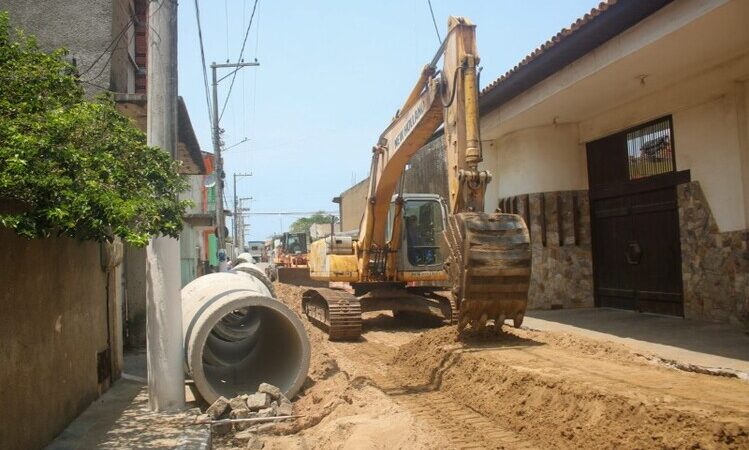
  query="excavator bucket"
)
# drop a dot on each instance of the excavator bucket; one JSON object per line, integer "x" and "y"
{"x": 490, "y": 267}
{"x": 298, "y": 276}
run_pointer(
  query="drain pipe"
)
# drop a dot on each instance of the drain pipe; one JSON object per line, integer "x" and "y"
{"x": 237, "y": 335}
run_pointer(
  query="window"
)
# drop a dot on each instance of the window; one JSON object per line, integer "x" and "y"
{"x": 650, "y": 149}
{"x": 422, "y": 221}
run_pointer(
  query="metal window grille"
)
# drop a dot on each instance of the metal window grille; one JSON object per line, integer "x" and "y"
{"x": 650, "y": 150}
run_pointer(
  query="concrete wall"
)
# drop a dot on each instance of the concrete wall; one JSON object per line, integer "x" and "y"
{"x": 540, "y": 159}
{"x": 53, "y": 321}
{"x": 84, "y": 27}
{"x": 353, "y": 203}
{"x": 134, "y": 264}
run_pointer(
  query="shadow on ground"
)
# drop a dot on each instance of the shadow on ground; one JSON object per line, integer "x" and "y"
{"x": 723, "y": 340}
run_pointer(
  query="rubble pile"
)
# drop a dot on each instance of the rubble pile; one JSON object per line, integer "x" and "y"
{"x": 268, "y": 402}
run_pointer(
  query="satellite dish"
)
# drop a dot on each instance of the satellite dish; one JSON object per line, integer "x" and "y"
{"x": 210, "y": 180}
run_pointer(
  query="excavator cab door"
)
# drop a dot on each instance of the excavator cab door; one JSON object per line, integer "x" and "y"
{"x": 422, "y": 246}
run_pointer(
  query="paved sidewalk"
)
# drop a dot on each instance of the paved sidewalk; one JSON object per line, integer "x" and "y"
{"x": 685, "y": 341}
{"x": 120, "y": 419}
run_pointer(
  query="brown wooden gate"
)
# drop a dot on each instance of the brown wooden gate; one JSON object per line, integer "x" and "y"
{"x": 634, "y": 218}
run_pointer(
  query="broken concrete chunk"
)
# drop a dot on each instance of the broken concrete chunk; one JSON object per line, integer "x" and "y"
{"x": 238, "y": 404}
{"x": 218, "y": 408}
{"x": 258, "y": 401}
{"x": 221, "y": 429}
{"x": 241, "y": 414}
{"x": 285, "y": 409}
{"x": 266, "y": 412}
{"x": 271, "y": 390}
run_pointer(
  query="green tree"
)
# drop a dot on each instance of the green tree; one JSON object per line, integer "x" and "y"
{"x": 74, "y": 167}
{"x": 302, "y": 224}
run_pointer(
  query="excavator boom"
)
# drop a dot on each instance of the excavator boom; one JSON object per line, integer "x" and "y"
{"x": 488, "y": 260}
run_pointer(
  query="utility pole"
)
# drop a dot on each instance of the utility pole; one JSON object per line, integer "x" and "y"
{"x": 166, "y": 381}
{"x": 242, "y": 210}
{"x": 236, "y": 202}
{"x": 220, "y": 219}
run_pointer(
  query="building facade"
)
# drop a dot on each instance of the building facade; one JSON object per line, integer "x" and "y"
{"x": 623, "y": 143}
{"x": 62, "y": 320}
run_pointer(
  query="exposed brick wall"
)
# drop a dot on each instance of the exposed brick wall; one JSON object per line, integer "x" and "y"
{"x": 141, "y": 44}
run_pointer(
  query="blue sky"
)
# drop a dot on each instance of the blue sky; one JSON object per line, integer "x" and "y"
{"x": 331, "y": 75}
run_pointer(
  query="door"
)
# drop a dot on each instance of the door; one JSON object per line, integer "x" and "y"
{"x": 634, "y": 219}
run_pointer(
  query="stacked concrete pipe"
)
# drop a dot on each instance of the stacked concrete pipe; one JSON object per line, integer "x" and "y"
{"x": 237, "y": 335}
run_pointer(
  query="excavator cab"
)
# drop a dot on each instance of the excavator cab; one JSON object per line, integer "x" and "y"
{"x": 424, "y": 220}
{"x": 295, "y": 243}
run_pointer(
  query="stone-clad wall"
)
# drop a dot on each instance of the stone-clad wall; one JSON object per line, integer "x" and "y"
{"x": 715, "y": 265}
{"x": 562, "y": 269}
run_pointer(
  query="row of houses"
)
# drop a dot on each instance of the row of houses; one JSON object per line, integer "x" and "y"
{"x": 623, "y": 142}
{"x": 67, "y": 310}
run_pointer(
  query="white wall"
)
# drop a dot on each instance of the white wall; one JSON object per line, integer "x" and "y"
{"x": 706, "y": 141}
{"x": 539, "y": 159}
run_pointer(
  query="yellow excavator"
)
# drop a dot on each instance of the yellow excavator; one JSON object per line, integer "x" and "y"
{"x": 418, "y": 252}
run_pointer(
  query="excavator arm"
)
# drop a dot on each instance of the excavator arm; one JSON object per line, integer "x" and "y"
{"x": 489, "y": 260}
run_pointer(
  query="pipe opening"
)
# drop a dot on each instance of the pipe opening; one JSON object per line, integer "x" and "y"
{"x": 249, "y": 346}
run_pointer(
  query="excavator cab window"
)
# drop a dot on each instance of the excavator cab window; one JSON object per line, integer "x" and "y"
{"x": 422, "y": 227}
{"x": 295, "y": 244}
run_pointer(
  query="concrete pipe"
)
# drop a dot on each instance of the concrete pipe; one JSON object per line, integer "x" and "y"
{"x": 236, "y": 336}
{"x": 243, "y": 257}
{"x": 256, "y": 271}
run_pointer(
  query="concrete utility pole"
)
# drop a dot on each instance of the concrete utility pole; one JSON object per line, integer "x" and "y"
{"x": 220, "y": 220}
{"x": 166, "y": 382}
{"x": 242, "y": 214}
{"x": 236, "y": 216}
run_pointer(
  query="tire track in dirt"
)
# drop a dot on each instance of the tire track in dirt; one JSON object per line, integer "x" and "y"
{"x": 464, "y": 427}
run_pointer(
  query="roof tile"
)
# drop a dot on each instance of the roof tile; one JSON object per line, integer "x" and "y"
{"x": 554, "y": 40}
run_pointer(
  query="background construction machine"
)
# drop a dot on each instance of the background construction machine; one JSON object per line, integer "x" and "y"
{"x": 408, "y": 239}
{"x": 290, "y": 260}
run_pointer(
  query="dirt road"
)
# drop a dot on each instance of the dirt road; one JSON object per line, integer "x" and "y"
{"x": 417, "y": 387}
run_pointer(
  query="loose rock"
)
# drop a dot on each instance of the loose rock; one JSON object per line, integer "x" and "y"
{"x": 241, "y": 414}
{"x": 271, "y": 390}
{"x": 238, "y": 403}
{"x": 258, "y": 401}
{"x": 221, "y": 429}
{"x": 266, "y": 412}
{"x": 218, "y": 408}
{"x": 285, "y": 409}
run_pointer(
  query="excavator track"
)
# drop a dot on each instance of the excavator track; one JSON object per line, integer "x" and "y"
{"x": 489, "y": 266}
{"x": 336, "y": 311}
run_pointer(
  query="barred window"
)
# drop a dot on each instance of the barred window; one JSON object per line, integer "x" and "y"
{"x": 650, "y": 150}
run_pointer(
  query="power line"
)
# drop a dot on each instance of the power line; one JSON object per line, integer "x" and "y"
{"x": 241, "y": 53}
{"x": 205, "y": 70}
{"x": 436, "y": 29}
{"x": 116, "y": 40}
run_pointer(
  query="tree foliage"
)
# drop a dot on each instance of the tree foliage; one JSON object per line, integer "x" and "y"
{"x": 302, "y": 224}
{"x": 74, "y": 167}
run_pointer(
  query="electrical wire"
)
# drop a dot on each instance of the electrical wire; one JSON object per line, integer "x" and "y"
{"x": 205, "y": 70}
{"x": 241, "y": 53}
{"x": 436, "y": 29}
{"x": 116, "y": 40}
